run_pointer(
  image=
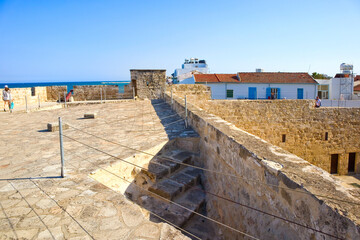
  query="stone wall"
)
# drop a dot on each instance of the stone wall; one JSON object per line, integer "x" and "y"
{"x": 93, "y": 92}
{"x": 54, "y": 92}
{"x": 195, "y": 92}
{"x": 270, "y": 179}
{"x": 303, "y": 127}
{"x": 148, "y": 83}
{"x": 18, "y": 96}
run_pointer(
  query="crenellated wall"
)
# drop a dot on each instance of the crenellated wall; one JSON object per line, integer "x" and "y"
{"x": 267, "y": 178}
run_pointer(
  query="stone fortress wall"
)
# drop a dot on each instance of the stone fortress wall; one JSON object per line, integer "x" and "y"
{"x": 313, "y": 134}
{"x": 268, "y": 178}
{"x": 32, "y": 95}
{"x": 81, "y": 93}
{"x": 148, "y": 83}
{"x": 96, "y": 92}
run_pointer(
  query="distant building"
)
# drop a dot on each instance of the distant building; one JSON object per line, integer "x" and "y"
{"x": 259, "y": 85}
{"x": 188, "y": 69}
{"x": 340, "y": 87}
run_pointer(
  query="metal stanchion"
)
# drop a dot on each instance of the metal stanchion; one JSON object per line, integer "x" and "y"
{"x": 105, "y": 95}
{"x": 61, "y": 147}
{"x": 26, "y": 104}
{"x": 100, "y": 95}
{"x": 65, "y": 99}
{"x": 172, "y": 101}
{"x": 39, "y": 101}
{"x": 59, "y": 97}
{"x": 186, "y": 114}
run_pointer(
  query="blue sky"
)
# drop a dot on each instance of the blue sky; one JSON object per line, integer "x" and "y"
{"x": 102, "y": 40}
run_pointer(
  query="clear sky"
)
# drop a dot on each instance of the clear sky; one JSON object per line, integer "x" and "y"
{"x": 102, "y": 40}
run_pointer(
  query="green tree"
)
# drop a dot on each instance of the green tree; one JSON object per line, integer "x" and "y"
{"x": 316, "y": 75}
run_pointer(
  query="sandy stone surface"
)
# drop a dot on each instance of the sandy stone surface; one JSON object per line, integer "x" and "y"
{"x": 35, "y": 203}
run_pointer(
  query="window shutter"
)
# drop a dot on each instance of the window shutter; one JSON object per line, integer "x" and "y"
{"x": 268, "y": 93}
{"x": 278, "y": 94}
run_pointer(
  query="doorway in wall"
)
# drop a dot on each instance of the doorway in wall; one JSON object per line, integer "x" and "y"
{"x": 334, "y": 163}
{"x": 351, "y": 166}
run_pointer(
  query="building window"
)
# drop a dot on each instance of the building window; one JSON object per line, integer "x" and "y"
{"x": 284, "y": 138}
{"x": 323, "y": 91}
{"x": 334, "y": 163}
{"x": 229, "y": 93}
{"x": 351, "y": 166}
{"x": 33, "y": 93}
{"x": 273, "y": 93}
{"x": 326, "y": 136}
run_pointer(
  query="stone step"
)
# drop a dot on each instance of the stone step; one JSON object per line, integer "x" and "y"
{"x": 192, "y": 199}
{"x": 162, "y": 166}
{"x": 179, "y": 182}
{"x": 166, "y": 188}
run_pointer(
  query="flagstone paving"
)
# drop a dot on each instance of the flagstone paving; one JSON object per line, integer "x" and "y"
{"x": 35, "y": 203}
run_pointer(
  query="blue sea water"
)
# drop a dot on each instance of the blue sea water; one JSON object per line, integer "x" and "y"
{"x": 70, "y": 85}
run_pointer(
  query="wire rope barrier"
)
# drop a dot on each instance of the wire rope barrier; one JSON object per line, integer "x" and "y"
{"x": 161, "y": 197}
{"x": 198, "y": 188}
{"x": 217, "y": 172}
{"x": 62, "y": 208}
{"x": 163, "y": 219}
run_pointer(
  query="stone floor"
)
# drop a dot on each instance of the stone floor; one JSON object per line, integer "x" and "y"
{"x": 35, "y": 203}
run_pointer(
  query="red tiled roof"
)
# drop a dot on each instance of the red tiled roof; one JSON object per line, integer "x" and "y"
{"x": 254, "y": 77}
{"x": 357, "y": 78}
{"x": 275, "y": 77}
{"x": 357, "y": 88}
{"x": 215, "y": 78}
{"x": 342, "y": 75}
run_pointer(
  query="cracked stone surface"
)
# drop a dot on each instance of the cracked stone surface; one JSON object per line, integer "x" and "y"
{"x": 35, "y": 203}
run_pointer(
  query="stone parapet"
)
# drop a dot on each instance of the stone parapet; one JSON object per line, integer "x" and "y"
{"x": 55, "y": 92}
{"x": 313, "y": 134}
{"x": 271, "y": 179}
{"x": 33, "y": 95}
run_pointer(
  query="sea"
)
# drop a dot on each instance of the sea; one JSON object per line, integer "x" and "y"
{"x": 70, "y": 85}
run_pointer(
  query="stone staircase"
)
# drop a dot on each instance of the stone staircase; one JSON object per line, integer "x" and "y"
{"x": 167, "y": 181}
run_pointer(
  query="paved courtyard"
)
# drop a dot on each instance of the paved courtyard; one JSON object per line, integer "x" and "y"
{"x": 35, "y": 203}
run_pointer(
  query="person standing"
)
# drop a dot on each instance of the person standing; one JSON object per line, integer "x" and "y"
{"x": 6, "y": 96}
{"x": 317, "y": 102}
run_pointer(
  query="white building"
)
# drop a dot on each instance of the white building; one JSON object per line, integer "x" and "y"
{"x": 188, "y": 69}
{"x": 340, "y": 87}
{"x": 259, "y": 85}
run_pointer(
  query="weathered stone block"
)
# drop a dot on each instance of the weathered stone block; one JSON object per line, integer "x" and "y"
{"x": 52, "y": 127}
{"x": 90, "y": 115}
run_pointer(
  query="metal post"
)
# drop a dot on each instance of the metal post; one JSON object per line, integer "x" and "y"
{"x": 59, "y": 97}
{"x": 105, "y": 95}
{"x": 65, "y": 99}
{"x": 172, "y": 101}
{"x": 186, "y": 114}
{"x": 61, "y": 147}
{"x": 134, "y": 93}
{"x": 39, "y": 100}
{"x": 26, "y": 103}
{"x": 100, "y": 95}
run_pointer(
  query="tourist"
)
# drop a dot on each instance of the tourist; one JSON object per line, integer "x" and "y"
{"x": 317, "y": 102}
{"x": 6, "y": 96}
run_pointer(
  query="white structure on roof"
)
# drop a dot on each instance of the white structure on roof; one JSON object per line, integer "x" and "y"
{"x": 340, "y": 87}
{"x": 188, "y": 69}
